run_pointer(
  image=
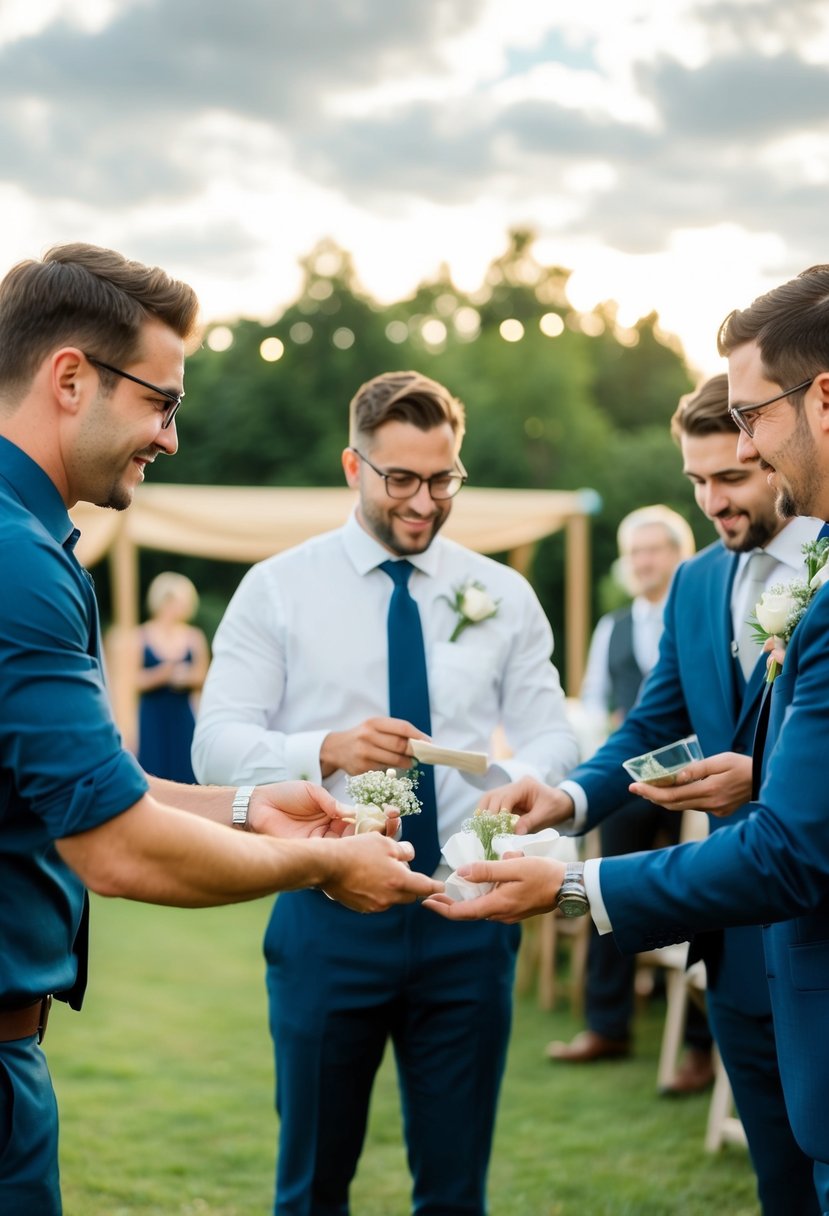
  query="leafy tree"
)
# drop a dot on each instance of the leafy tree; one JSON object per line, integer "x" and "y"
{"x": 555, "y": 399}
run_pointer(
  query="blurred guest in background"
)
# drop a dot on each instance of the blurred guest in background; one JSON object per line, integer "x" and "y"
{"x": 171, "y": 659}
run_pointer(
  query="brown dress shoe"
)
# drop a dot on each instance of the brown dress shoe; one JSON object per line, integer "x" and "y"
{"x": 694, "y": 1074}
{"x": 586, "y": 1047}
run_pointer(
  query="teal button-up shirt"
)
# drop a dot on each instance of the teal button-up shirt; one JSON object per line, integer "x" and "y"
{"x": 63, "y": 769}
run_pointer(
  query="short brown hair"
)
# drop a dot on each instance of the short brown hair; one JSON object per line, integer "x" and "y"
{"x": 403, "y": 397}
{"x": 704, "y": 411}
{"x": 86, "y": 296}
{"x": 790, "y": 325}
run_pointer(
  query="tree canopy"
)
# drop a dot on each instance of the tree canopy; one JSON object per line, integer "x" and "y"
{"x": 555, "y": 398}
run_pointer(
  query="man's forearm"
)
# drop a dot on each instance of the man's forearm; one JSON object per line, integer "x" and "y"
{"x": 156, "y": 854}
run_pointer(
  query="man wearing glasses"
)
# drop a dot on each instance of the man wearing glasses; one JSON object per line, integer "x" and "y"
{"x": 76, "y": 810}
{"x": 773, "y": 867}
{"x": 308, "y": 677}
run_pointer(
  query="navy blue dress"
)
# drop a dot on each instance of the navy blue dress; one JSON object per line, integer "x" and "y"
{"x": 165, "y": 727}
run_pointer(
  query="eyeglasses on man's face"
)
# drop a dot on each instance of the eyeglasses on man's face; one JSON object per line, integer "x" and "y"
{"x": 745, "y": 416}
{"x": 402, "y": 483}
{"x": 173, "y": 399}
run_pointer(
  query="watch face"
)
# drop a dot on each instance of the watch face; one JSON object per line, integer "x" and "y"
{"x": 573, "y": 905}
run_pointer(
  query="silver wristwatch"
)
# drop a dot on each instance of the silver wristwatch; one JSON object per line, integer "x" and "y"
{"x": 241, "y": 803}
{"x": 572, "y": 896}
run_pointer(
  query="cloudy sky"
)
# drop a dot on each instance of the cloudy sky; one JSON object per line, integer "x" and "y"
{"x": 673, "y": 153}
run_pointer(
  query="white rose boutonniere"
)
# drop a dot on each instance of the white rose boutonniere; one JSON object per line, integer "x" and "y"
{"x": 373, "y": 792}
{"x": 781, "y": 608}
{"x": 473, "y": 604}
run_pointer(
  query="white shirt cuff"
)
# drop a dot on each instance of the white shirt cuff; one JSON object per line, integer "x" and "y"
{"x": 593, "y": 887}
{"x": 302, "y": 755}
{"x": 576, "y": 824}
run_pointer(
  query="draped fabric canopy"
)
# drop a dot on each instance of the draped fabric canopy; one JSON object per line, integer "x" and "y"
{"x": 247, "y": 524}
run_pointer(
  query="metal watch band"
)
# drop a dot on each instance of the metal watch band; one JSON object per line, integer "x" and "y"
{"x": 572, "y": 896}
{"x": 241, "y": 803}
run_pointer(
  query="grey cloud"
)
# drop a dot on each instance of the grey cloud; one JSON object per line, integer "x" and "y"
{"x": 112, "y": 100}
{"x": 702, "y": 166}
{"x": 739, "y": 97}
{"x": 115, "y": 105}
{"x": 792, "y": 23}
{"x": 259, "y": 59}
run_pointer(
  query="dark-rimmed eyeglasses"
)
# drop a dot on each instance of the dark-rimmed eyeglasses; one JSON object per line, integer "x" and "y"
{"x": 402, "y": 483}
{"x": 743, "y": 415}
{"x": 174, "y": 399}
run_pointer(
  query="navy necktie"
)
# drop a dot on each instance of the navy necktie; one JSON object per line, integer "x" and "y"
{"x": 409, "y": 699}
{"x": 823, "y": 533}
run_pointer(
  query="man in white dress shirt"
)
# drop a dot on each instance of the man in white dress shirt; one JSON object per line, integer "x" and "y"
{"x": 299, "y": 685}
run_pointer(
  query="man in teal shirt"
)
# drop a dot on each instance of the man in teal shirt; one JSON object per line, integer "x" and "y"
{"x": 91, "y": 372}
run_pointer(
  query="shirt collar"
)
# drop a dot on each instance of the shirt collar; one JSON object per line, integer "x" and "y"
{"x": 366, "y": 553}
{"x": 786, "y": 547}
{"x": 643, "y": 610}
{"x": 37, "y": 492}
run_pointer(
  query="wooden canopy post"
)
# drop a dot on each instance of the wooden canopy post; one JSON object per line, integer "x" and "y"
{"x": 576, "y": 600}
{"x": 120, "y": 642}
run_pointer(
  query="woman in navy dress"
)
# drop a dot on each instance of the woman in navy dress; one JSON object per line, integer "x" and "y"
{"x": 172, "y": 664}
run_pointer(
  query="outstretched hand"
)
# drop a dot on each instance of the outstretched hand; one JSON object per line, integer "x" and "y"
{"x": 526, "y": 886}
{"x": 718, "y": 784}
{"x": 540, "y": 806}
{"x": 298, "y": 810}
{"x": 370, "y": 873}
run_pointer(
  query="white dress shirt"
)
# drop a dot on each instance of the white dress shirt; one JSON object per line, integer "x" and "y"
{"x": 302, "y": 651}
{"x": 786, "y": 546}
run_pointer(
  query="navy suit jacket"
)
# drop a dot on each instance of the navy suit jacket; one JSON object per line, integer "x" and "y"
{"x": 695, "y": 686}
{"x": 772, "y": 866}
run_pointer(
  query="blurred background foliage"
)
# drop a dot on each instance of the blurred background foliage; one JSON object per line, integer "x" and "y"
{"x": 555, "y": 398}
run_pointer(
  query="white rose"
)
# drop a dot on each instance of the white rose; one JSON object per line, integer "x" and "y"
{"x": 774, "y": 610}
{"x": 820, "y": 578}
{"x": 477, "y": 605}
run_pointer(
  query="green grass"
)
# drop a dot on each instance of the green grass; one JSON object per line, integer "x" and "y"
{"x": 165, "y": 1085}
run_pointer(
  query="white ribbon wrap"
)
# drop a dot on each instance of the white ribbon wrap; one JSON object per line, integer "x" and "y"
{"x": 465, "y": 847}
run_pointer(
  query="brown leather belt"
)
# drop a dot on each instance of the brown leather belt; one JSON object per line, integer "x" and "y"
{"x": 20, "y": 1023}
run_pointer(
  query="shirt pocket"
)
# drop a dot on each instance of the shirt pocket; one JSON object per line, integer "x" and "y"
{"x": 464, "y": 677}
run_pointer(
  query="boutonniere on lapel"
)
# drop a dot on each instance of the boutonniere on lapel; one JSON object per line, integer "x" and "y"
{"x": 780, "y": 609}
{"x": 473, "y": 604}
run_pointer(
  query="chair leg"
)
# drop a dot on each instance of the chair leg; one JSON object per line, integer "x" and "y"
{"x": 723, "y": 1127}
{"x": 675, "y": 1015}
{"x": 548, "y": 947}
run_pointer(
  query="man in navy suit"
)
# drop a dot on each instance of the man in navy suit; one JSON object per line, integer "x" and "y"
{"x": 653, "y": 540}
{"x": 773, "y": 866}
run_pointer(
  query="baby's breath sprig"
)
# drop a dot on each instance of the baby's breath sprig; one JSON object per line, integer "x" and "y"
{"x": 486, "y": 826}
{"x": 382, "y": 789}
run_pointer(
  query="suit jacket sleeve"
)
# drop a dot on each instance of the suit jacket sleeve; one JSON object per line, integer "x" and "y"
{"x": 772, "y": 866}
{"x": 659, "y": 716}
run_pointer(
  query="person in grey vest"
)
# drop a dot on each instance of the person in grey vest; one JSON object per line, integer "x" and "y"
{"x": 652, "y": 542}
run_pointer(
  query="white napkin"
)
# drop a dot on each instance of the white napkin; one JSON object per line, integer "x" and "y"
{"x": 466, "y": 762}
{"x": 465, "y": 847}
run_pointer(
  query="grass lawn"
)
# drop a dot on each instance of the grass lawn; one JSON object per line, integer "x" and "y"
{"x": 165, "y": 1086}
